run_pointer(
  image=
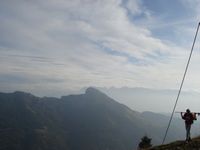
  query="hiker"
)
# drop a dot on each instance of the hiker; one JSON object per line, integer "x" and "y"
{"x": 189, "y": 118}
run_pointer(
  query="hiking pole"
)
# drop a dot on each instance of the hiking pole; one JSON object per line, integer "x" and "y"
{"x": 198, "y": 113}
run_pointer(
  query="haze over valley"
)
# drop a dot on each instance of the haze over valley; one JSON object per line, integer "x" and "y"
{"x": 97, "y": 74}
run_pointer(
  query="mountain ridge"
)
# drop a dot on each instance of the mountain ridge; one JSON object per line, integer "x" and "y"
{"x": 93, "y": 120}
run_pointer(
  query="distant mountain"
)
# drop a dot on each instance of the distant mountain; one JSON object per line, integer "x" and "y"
{"x": 143, "y": 99}
{"x": 90, "y": 121}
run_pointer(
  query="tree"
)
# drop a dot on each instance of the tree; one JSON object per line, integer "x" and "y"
{"x": 145, "y": 143}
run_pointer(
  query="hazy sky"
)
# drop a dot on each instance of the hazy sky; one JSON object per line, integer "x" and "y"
{"x": 52, "y": 47}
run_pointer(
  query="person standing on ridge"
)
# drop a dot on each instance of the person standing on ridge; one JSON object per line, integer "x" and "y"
{"x": 189, "y": 118}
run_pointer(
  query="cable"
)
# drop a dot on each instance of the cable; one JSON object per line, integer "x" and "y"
{"x": 181, "y": 84}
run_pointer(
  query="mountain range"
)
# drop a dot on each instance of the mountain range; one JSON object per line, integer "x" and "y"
{"x": 89, "y": 121}
{"x": 142, "y": 99}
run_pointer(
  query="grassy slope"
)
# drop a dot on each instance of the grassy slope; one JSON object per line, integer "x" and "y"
{"x": 180, "y": 145}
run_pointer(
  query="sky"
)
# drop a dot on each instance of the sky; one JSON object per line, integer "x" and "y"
{"x": 56, "y": 47}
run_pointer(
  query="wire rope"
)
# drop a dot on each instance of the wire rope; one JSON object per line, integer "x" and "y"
{"x": 183, "y": 79}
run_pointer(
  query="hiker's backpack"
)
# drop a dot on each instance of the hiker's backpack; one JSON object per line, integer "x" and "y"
{"x": 188, "y": 117}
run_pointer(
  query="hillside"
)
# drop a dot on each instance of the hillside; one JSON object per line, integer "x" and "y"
{"x": 180, "y": 145}
{"x": 90, "y": 121}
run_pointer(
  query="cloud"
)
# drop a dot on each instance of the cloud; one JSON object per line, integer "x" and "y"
{"x": 85, "y": 43}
